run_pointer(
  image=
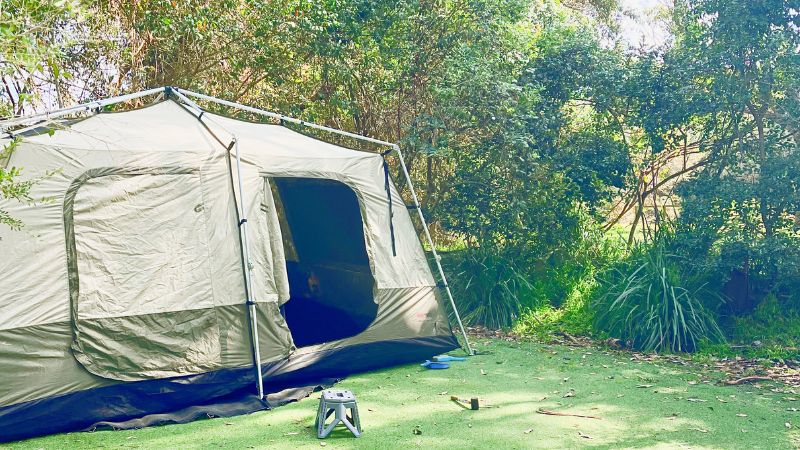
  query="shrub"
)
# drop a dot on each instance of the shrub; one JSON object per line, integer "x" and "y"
{"x": 771, "y": 323}
{"x": 654, "y": 302}
{"x": 490, "y": 288}
{"x": 562, "y": 292}
{"x": 575, "y": 316}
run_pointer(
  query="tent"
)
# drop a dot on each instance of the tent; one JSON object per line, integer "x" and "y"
{"x": 177, "y": 263}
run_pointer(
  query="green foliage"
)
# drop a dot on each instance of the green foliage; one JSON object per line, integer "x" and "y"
{"x": 772, "y": 331}
{"x": 489, "y": 287}
{"x": 526, "y": 163}
{"x": 11, "y": 187}
{"x": 562, "y": 291}
{"x": 574, "y": 316}
{"x": 731, "y": 79}
{"x": 653, "y": 302}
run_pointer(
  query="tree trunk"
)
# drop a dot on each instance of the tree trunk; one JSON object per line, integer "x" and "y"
{"x": 762, "y": 158}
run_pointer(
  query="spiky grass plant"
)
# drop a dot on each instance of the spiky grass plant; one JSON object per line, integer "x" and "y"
{"x": 491, "y": 288}
{"x": 655, "y": 303}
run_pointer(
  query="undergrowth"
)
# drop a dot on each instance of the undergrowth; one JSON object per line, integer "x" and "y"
{"x": 772, "y": 331}
{"x": 574, "y": 316}
{"x": 655, "y": 303}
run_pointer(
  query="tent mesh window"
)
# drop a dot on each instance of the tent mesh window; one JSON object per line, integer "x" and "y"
{"x": 330, "y": 282}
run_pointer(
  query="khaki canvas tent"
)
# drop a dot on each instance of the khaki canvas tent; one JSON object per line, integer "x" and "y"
{"x": 177, "y": 264}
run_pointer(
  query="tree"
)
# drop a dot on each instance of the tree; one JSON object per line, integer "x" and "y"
{"x": 30, "y": 57}
{"x": 741, "y": 209}
{"x": 529, "y": 136}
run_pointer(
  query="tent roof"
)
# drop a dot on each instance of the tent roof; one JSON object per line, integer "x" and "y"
{"x": 168, "y": 126}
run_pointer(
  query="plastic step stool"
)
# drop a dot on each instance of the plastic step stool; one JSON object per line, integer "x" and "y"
{"x": 337, "y": 402}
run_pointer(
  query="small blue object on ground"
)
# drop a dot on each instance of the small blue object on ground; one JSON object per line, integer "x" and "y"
{"x": 337, "y": 402}
{"x": 448, "y": 358}
{"x": 435, "y": 365}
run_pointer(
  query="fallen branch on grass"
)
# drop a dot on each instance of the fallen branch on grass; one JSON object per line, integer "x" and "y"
{"x": 745, "y": 380}
{"x": 556, "y": 413}
{"x": 571, "y": 339}
{"x": 755, "y": 378}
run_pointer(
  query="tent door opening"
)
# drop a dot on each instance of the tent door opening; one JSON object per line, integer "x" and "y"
{"x": 330, "y": 282}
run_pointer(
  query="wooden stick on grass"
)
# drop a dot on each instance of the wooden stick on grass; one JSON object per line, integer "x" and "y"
{"x": 556, "y": 413}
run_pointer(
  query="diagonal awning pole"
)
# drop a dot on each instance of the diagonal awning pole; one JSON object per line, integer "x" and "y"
{"x": 433, "y": 248}
{"x": 282, "y": 117}
{"x": 49, "y": 115}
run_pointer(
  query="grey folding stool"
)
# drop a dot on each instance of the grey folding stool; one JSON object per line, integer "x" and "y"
{"x": 338, "y": 403}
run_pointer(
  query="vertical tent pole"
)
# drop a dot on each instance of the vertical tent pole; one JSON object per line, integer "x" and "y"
{"x": 248, "y": 265}
{"x": 433, "y": 247}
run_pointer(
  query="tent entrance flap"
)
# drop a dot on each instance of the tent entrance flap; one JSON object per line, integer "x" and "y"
{"x": 330, "y": 282}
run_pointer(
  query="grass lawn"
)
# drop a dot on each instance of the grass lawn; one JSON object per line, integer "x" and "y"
{"x": 640, "y": 404}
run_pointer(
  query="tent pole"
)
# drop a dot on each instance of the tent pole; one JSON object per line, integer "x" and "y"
{"x": 13, "y": 121}
{"x": 248, "y": 265}
{"x": 433, "y": 248}
{"x": 282, "y": 117}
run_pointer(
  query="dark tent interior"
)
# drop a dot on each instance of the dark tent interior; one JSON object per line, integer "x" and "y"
{"x": 330, "y": 281}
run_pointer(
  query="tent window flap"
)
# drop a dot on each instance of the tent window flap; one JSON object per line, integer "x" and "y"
{"x": 140, "y": 291}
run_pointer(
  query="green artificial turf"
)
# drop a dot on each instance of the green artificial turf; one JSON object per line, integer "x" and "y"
{"x": 640, "y": 404}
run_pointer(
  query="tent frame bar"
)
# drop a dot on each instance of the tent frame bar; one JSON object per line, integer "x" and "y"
{"x": 182, "y": 94}
{"x": 282, "y": 117}
{"x": 436, "y": 256}
{"x": 50, "y": 115}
